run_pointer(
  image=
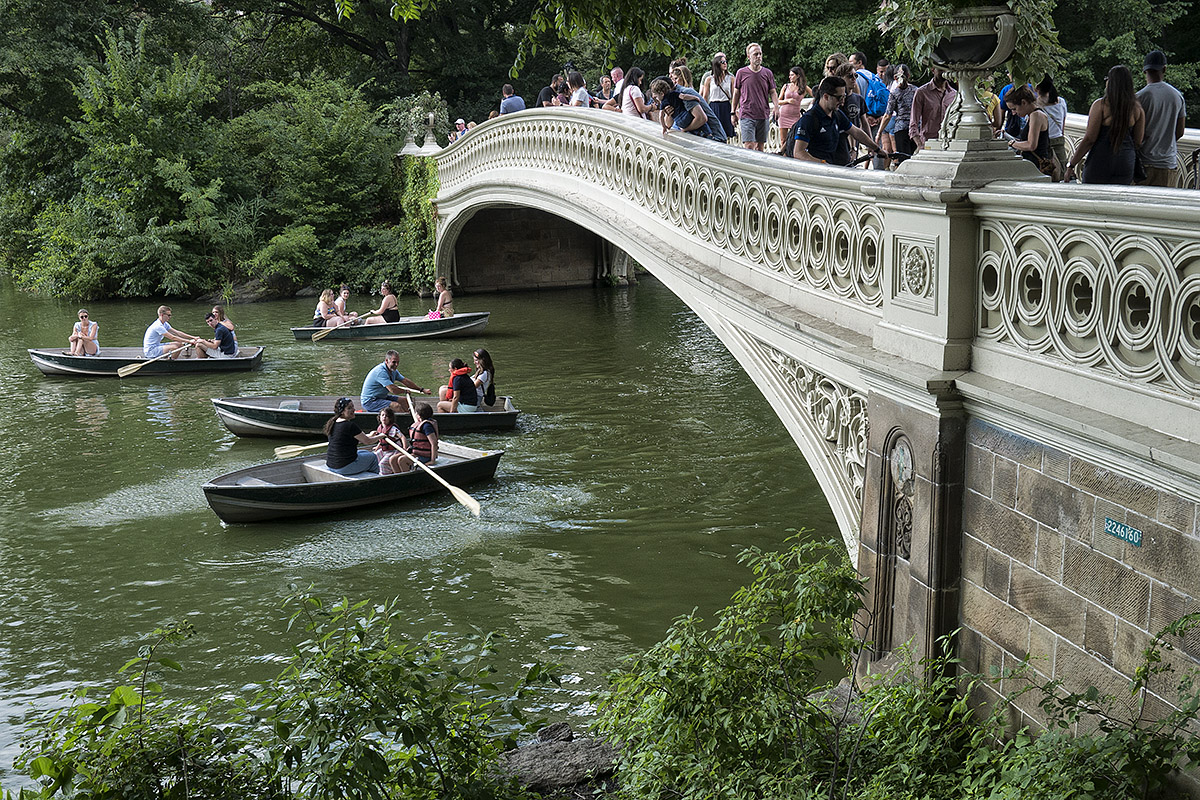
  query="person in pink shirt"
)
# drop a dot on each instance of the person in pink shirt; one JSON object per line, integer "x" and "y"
{"x": 790, "y": 98}
{"x": 929, "y": 109}
{"x": 754, "y": 102}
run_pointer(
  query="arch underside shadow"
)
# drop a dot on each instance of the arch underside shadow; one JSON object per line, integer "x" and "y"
{"x": 820, "y": 398}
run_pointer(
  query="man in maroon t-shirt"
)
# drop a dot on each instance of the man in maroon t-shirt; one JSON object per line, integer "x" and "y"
{"x": 754, "y": 101}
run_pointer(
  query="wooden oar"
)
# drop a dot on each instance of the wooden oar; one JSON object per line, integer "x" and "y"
{"x": 470, "y": 502}
{"x": 129, "y": 369}
{"x": 321, "y": 334}
{"x": 293, "y": 450}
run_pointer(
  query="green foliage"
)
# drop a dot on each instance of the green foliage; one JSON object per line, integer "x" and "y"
{"x": 364, "y": 257}
{"x": 290, "y": 254}
{"x": 359, "y": 712}
{"x": 735, "y": 711}
{"x": 420, "y": 218}
{"x": 728, "y": 712}
{"x": 791, "y": 33}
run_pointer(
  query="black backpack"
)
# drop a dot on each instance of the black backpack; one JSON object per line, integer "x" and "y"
{"x": 789, "y": 144}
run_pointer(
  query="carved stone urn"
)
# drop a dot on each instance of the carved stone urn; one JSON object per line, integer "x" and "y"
{"x": 979, "y": 40}
{"x": 430, "y": 146}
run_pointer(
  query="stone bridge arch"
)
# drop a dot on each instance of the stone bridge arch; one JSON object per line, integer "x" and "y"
{"x": 996, "y": 380}
{"x": 732, "y": 273}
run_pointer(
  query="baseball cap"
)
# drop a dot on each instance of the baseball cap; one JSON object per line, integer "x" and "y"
{"x": 1155, "y": 59}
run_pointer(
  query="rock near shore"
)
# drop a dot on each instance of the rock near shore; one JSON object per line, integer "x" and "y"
{"x": 562, "y": 765}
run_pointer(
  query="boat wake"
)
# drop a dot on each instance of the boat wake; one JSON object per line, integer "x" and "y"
{"x": 172, "y": 496}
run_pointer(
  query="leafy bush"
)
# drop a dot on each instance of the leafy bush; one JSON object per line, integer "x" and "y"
{"x": 737, "y": 711}
{"x": 358, "y": 713}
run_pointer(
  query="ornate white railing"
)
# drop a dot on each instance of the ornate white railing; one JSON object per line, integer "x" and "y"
{"x": 1100, "y": 279}
{"x": 811, "y": 225}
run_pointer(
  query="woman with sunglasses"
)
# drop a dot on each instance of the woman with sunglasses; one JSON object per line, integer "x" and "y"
{"x": 84, "y": 337}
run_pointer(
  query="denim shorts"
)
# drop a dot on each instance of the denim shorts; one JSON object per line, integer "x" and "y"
{"x": 366, "y": 462}
{"x": 378, "y": 403}
{"x": 463, "y": 408}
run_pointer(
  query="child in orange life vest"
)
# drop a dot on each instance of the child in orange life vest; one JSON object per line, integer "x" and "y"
{"x": 422, "y": 436}
{"x": 390, "y": 459}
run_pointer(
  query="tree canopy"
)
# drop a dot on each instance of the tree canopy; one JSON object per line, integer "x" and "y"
{"x": 160, "y": 147}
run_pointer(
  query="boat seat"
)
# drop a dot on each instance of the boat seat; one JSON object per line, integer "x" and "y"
{"x": 317, "y": 472}
{"x": 289, "y": 405}
{"x": 249, "y": 481}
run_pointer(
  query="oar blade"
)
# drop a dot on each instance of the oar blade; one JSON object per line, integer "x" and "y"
{"x": 288, "y": 451}
{"x": 470, "y": 502}
{"x": 129, "y": 369}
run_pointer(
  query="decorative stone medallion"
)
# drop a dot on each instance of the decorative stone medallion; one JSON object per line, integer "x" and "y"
{"x": 914, "y": 273}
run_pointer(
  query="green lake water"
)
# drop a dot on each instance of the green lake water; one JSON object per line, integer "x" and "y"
{"x": 644, "y": 461}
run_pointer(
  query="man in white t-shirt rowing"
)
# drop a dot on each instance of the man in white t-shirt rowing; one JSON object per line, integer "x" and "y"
{"x": 152, "y": 342}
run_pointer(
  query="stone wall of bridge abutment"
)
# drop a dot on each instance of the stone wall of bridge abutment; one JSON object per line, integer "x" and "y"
{"x": 1032, "y": 350}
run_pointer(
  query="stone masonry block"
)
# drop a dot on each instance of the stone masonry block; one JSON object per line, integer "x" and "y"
{"x": 979, "y": 470}
{"x": 1129, "y": 654}
{"x": 1106, "y": 582}
{"x": 969, "y": 650}
{"x": 1166, "y": 606}
{"x": 1175, "y": 512}
{"x": 995, "y": 575}
{"x": 1050, "y": 545}
{"x": 1167, "y": 555}
{"x": 995, "y": 619}
{"x": 1002, "y": 443}
{"x": 1047, "y": 602}
{"x": 1101, "y": 540}
{"x": 1078, "y": 670}
{"x": 1100, "y": 630}
{"x": 1042, "y": 641}
{"x": 1006, "y": 530}
{"x": 1056, "y": 464}
{"x": 974, "y": 559}
{"x": 1121, "y": 490}
{"x": 1066, "y": 510}
{"x": 1004, "y": 482}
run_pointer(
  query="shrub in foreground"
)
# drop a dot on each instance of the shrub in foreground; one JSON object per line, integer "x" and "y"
{"x": 738, "y": 710}
{"x": 359, "y": 712}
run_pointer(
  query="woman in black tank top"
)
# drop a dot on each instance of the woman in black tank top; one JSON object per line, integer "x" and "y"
{"x": 1034, "y": 142}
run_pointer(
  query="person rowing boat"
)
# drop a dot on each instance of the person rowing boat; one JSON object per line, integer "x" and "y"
{"x": 152, "y": 342}
{"x": 381, "y": 383}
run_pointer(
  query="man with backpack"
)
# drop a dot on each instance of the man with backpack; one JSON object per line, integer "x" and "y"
{"x": 872, "y": 88}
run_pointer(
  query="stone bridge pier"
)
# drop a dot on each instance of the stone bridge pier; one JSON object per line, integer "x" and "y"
{"x": 995, "y": 379}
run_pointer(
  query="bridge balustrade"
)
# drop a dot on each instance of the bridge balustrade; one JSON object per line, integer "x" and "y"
{"x": 820, "y": 233}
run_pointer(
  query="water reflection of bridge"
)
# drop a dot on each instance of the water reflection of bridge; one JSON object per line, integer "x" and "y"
{"x": 995, "y": 379}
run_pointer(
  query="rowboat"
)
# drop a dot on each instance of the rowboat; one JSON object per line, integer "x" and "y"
{"x": 301, "y": 487}
{"x": 55, "y": 361}
{"x": 297, "y": 415}
{"x": 468, "y": 324}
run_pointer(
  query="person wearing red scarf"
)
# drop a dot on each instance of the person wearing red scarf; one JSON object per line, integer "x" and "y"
{"x": 460, "y": 395}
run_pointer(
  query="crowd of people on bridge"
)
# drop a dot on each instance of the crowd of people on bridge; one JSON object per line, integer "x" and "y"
{"x": 852, "y": 109}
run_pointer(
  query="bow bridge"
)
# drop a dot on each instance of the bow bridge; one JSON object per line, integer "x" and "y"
{"x": 994, "y": 378}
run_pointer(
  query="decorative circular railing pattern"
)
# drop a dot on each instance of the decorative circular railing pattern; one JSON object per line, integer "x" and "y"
{"x": 816, "y": 229}
{"x": 1125, "y": 303}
